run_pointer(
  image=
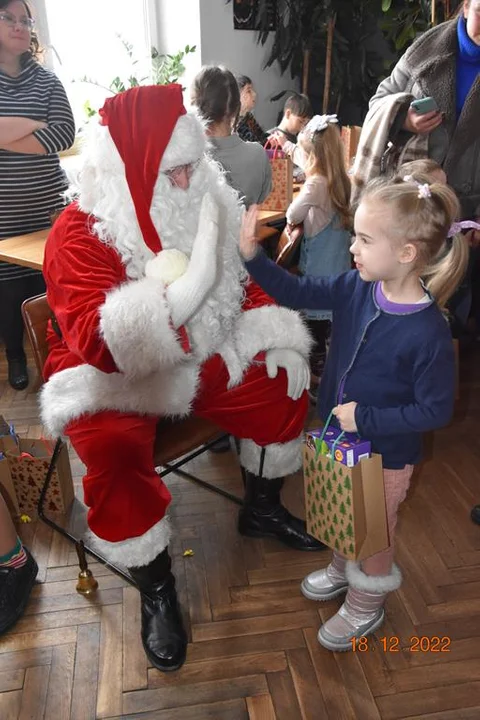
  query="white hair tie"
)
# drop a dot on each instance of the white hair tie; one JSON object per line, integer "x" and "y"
{"x": 424, "y": 191}
{"x": 318, "y": 123}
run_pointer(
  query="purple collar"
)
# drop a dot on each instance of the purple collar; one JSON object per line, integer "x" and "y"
{"x": 396, "y": 308}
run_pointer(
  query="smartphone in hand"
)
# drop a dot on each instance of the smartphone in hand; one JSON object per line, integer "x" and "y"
{"x": 424, "y": 105}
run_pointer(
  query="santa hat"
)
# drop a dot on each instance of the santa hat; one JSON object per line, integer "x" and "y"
{"x": 150, "y": 130}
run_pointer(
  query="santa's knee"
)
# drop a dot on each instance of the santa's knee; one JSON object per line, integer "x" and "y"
{"x": 115, "y": 439}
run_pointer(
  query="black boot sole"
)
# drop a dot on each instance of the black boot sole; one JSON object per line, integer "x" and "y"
{"x": 163, "y": 668}
{"x": 293, "y": 546}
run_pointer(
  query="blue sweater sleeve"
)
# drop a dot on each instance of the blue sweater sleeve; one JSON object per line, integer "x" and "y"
{"x": 434, "y": 397}
{"x": 307, "y": 293}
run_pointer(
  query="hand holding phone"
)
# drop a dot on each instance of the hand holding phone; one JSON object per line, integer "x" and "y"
{"x": 424, "y": 105}
{"x": 423, "y": 116}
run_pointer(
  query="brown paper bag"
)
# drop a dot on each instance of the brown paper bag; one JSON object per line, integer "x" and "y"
{"x": 28, "y": 476}
{"x": 345, "y": 505}
{"x": 282, "y": 185}
{"x": 6, "y": 488}
{"x": 350, "y": 139}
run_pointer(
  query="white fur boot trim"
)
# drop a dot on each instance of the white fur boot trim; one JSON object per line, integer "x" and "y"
{"x": 136, "y": 551}
{"x": 373, "y": 583}
{"x": 281, "y": 459}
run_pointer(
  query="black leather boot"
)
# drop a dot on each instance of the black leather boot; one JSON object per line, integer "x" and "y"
{"x": 17, "y": 373}
{"x": 15, "y": 587}
{"x": 163, "y": 634}
{"x": 263, "y": 515}
{"x": 475, "y": 514}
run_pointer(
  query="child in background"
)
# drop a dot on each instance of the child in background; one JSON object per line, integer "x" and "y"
{"x": 427, "y": 167}
{"x": 390, "y": 372}
{"x": 297, "y": 111}
{"x": 248, "y": 129}
{"x": 323, "y": 206}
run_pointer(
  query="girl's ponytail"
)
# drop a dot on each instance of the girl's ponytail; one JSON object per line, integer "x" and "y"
{"x": 444, "y": 276}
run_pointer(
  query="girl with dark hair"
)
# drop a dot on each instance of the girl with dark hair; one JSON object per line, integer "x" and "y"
{"x": 36, "y": 122}
{"x": 216, "y": 95}
{"x": 248, "y": 128}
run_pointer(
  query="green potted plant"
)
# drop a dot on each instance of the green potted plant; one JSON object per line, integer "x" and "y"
{"x": 165, "y": 69}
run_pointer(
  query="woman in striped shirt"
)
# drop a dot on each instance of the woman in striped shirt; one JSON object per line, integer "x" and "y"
{"x": 36, "y": 122}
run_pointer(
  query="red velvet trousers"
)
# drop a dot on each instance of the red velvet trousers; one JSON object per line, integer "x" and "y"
{"x": 125, "y": 495}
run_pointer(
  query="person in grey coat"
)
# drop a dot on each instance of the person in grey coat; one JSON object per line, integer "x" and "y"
{"x": 444, "y": 63}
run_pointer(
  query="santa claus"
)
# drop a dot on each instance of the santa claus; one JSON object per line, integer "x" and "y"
{"x": 155, "y": 316}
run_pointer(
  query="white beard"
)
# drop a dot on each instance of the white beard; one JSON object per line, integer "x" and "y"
{"x": 103, "y": 192}
{"x": 175, "y": 213}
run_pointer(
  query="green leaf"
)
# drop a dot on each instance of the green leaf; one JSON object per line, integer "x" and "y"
{"x": 386, "y": 4}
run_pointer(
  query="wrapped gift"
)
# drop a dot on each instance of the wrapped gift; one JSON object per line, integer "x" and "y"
{"x": 347, "y": 448}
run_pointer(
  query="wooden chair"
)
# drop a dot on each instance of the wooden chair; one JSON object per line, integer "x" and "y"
{"x": 177, "y": 441}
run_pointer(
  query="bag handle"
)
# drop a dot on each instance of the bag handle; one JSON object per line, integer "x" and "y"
{"x": 276, "y": 148}
{"x": 322, "y": 437}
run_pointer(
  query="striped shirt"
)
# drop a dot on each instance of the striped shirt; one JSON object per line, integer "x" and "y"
{"x": 31, "y": 185}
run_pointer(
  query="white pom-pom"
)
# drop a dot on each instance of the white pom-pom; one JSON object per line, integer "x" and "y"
{"x": 167, "y": 266}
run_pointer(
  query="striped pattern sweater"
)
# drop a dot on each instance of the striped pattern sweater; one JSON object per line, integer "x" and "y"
{"x": 31, "y": 186}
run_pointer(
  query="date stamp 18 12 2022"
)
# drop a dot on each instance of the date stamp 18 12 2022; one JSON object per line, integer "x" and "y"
{"x": 416, "y": 644}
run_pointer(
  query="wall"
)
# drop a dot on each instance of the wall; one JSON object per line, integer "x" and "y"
{"x": 238, "y": 50}
{"x": 173, "y": 25}
{"x": 208, "y": 24}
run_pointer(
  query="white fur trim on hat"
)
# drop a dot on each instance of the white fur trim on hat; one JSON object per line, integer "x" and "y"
{"x": 280, "y": 459}
{"x": 135, "y": 324}
{"x": 265, "y": 328}
{"x": 136, "y": 551}
{"x": 373, "y": 583}
{"x": 187, "y": 143}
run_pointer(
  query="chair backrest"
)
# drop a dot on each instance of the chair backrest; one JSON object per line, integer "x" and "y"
{"x": 36, "y": 314}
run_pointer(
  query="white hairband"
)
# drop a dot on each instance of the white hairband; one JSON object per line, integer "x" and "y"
{"x": 318, "y": 123}
{"x": 423, "y": 189}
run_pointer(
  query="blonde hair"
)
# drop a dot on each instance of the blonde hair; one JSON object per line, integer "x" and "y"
{"x": 424, "y": 221}
{"x": 425, "y": 166}
{"x": 325, "y": 155}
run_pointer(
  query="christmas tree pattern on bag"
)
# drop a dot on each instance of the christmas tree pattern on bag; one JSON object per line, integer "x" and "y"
{"x": 329, "y": 503}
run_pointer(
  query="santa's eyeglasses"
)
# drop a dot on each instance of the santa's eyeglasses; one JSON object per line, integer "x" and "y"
{"x": 175, "y": 173}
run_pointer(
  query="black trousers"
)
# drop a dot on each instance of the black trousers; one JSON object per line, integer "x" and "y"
{"x": 12, "y": 295}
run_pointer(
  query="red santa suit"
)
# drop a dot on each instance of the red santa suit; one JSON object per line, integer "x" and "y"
{"x": 158, "y": 318}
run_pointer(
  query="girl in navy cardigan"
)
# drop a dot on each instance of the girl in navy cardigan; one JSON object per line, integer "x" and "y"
{"x": 390, "y": 372}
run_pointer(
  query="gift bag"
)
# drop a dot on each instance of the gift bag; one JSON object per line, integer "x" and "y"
{"x": 345, "y": 504}
{"x": 6, "y": 487}
{"x": 28, "y": 463}
{"x": 282, "y": 181}
{"x": 7, "y": 442}
{"x": 350, "y": 138}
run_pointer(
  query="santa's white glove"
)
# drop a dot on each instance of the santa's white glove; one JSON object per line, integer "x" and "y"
{"x": 298, "y": 370}
{"x": 188, "y": 293}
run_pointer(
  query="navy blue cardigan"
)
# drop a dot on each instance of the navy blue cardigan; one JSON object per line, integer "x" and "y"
{"x": 398, "y": 367}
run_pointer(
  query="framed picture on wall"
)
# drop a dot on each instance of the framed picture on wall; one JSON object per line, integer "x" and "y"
{"x": 245, "y": 14}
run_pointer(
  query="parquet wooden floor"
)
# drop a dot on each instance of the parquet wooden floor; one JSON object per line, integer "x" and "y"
{"x": 253, "y": 651}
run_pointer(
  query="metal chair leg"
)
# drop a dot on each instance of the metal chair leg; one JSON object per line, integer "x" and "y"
{"x": 85, "y": 575}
